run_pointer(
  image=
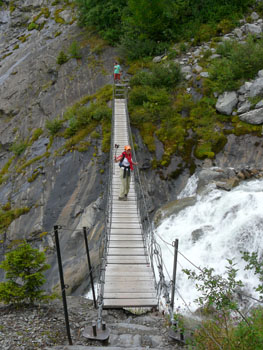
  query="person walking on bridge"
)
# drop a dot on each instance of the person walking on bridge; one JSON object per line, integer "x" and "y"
{"x": 126, "y": 165}
{"x": 117, "y": 72}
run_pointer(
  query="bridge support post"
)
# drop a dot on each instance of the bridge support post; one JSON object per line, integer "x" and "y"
{"x": 174, "y": 272}
{"x": 63, "y": 287}
{"x": 90, "y": 269}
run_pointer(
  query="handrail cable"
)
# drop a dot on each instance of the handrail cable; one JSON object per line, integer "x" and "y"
{"x": 108, "y": 220}
{"x": 153, "y": 248}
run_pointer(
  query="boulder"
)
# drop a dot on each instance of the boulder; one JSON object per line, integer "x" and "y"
{"x": 157, "y": 59}
{"x": 238, "y": 32}
{"x": 243, "y": 107}
{"x": 254, "y": 16}
{"x": 254, "y": 117}
{"x": 256, "y": 88}
{"x": 253, "y": 29}
{"x": 227, "y": 102}
{"x": 204, "y": 74}
{"x": 259, "y": 104}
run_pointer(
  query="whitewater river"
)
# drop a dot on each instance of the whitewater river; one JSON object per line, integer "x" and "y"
{"x": 217, "y": 227}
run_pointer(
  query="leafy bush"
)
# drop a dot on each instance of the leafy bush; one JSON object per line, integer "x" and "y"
{"x": 74, "y": 50}
{"x": 24, "y": 268}
{"x": 161, "y": 75}
{"x": 32, "y": 26}
{"x": 62, "y": 58}
{"x": 236, "y": 65}
{"x": 104, "y": 15}
{"x": 54, "y": 126}
{"x": 18, "y": 147}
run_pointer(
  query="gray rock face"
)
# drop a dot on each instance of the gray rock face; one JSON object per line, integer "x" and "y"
{"x": 58, "y": 189}
{"x": 227, "y": 102}
{"x": 253, "y": 117}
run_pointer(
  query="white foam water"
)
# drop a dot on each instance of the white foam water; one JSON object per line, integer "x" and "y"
{"x": 216, "y": 228}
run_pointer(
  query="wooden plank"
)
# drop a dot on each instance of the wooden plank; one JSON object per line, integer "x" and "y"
{"x": 142, "y": 259}
{"x": 129, "y": 268}
{"x": 141, "y": 295}
{"x": 120, "y": 303}
{"x": 129, "y": 215}
{"x": 126, "y": 244}
{"x": 126, "y": 251}
{"x": 128, "y": 287}
{"x": 125, "y": 231}
{"x": 131, "y": 273}
{"x": 125, "y": 225}
{"x": 126, "y": 238}
{"x": 128, "y": 279}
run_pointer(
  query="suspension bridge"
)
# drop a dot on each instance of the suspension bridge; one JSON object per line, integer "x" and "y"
{"x": 129, "y": 279}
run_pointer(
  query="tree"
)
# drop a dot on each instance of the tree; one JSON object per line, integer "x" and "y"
{"x": 24, "y": 268}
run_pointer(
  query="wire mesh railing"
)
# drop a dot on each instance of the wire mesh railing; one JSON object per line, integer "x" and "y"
{"x": 153, "y": 248}
{"x": 107, "y": 221}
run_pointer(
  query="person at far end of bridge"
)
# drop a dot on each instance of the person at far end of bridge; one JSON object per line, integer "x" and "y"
{"x": 126, "y": 164}
{"x": 117, "y": 72}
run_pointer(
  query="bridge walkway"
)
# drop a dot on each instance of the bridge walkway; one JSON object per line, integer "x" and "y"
{"x": 129, "y": 278}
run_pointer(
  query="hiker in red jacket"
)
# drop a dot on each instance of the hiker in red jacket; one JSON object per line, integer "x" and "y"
{"x": 126, "y": 165}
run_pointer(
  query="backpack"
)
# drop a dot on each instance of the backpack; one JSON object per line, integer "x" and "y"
{"x": 120, "y": 163}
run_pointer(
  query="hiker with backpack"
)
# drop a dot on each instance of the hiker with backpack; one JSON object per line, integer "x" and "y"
{"x": 126, "y": 164}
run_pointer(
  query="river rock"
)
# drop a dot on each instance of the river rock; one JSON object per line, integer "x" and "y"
{"x": 227, "y": 102}
{"x": 253, "y": 117}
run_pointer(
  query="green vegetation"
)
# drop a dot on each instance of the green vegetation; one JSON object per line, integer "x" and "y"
{"x": 235, "y": 65}
{"x": 24, "y": 269}
{"x": 83, "y": 119}
{"x": 62, "y": 58}
{"x": 7, "y": 216}
{"x": 226, "y": 327}
{"x": 54, "y": 126}
{"x": 74, "y": 50}
{"x": 160, "y": 108}
{"x": 18, "y": 147}
{"x": 147, "y": 27}
{"x": 32, "y": 26}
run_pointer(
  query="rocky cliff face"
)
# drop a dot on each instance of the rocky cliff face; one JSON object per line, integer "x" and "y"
{"x": 46, "y": 187}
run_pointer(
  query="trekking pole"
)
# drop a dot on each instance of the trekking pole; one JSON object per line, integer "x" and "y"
{"x": 116, "y": 148}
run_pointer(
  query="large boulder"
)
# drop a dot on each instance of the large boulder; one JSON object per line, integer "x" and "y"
{"x": 256, "y": 88}
{"x": 227, "y": 102}
{"x": 253, "y": 29}
{"x": 253, "y": 117}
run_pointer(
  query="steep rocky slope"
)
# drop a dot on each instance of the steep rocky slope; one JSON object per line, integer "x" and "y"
{"x": 44, "y": 184}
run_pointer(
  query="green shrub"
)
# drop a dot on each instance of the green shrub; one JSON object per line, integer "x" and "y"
{"x": 106, "y": 16}
{"x": 74, "y": 50}
{"x": 165, "y": 75}
{"x": 236, "y": 65}
{"x": 24, "y": 269}
{"x": 54, "y": 126}
{"x": 62, "y": 58}
{"x": 32, "y": 26}
{"x": 18, "y": 147}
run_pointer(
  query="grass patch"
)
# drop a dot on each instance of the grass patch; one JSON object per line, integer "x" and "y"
{"x": 8, "y": 216}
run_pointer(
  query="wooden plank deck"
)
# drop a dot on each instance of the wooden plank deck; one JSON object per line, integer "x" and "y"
{"x": 129, "y": 280}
